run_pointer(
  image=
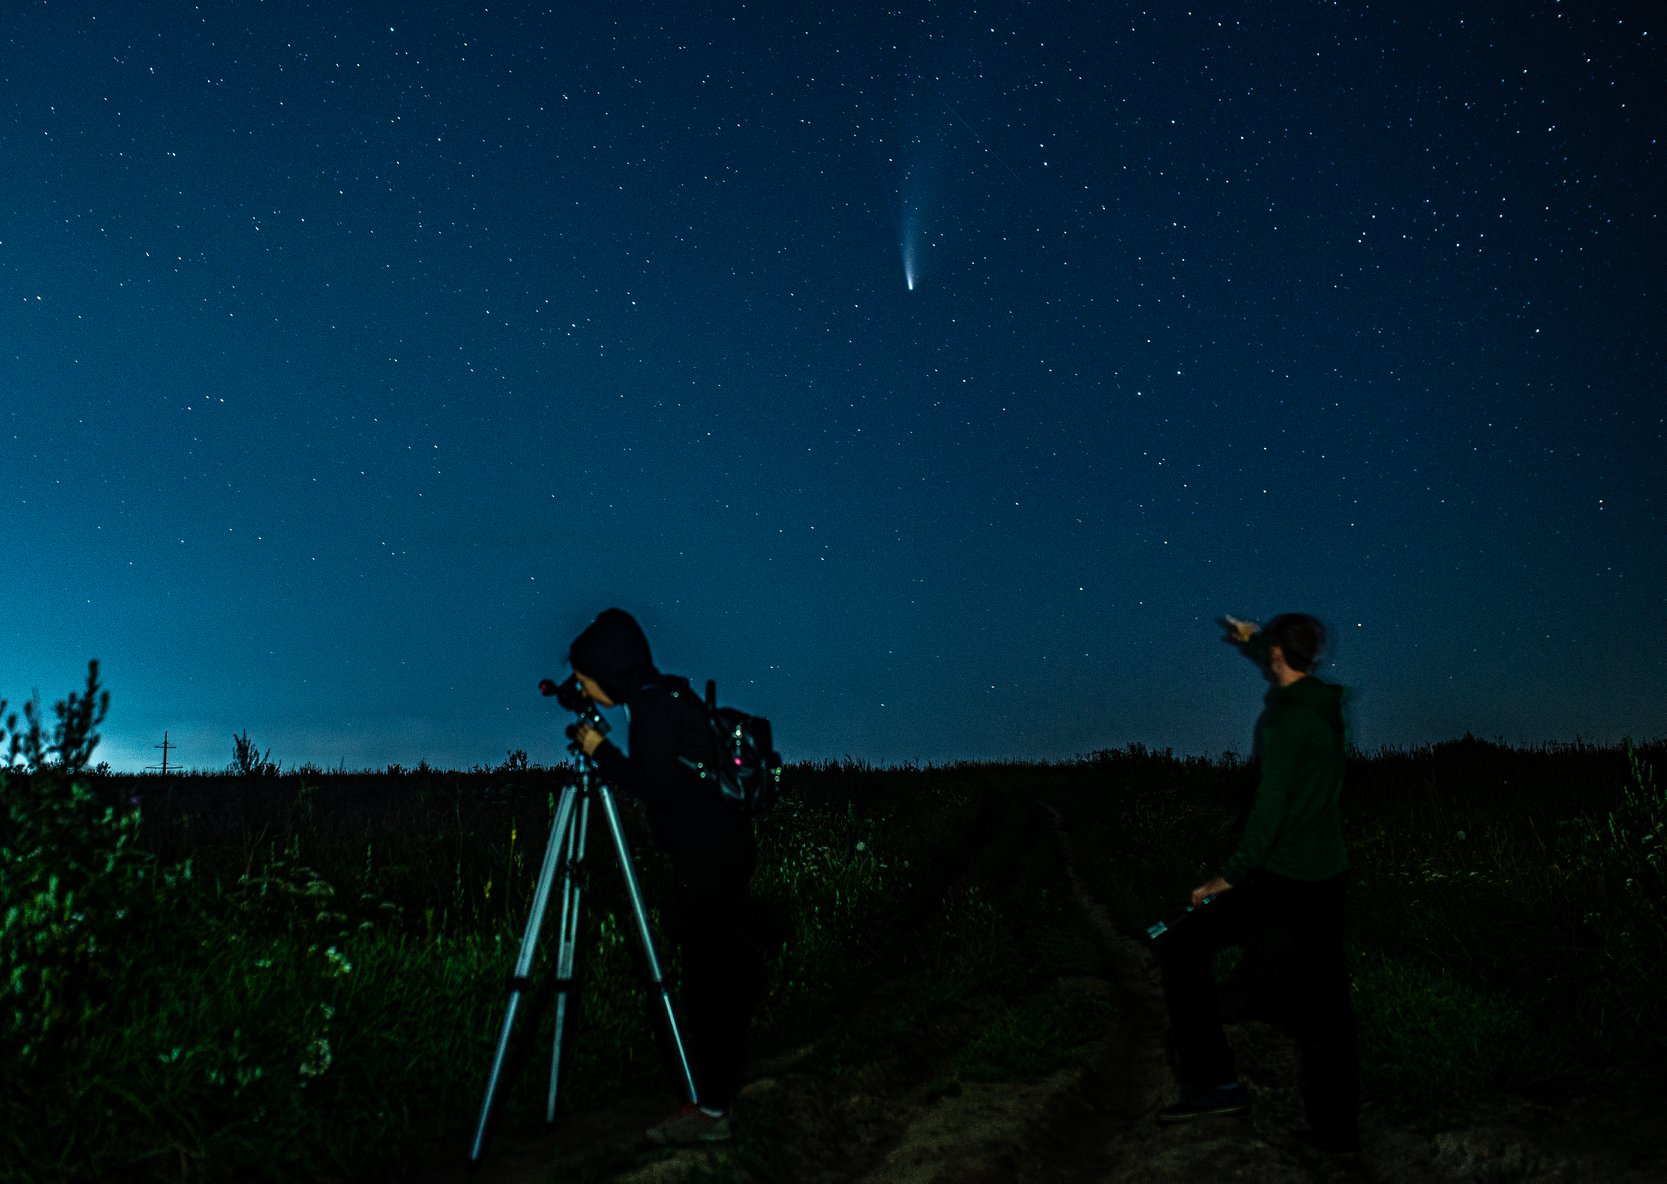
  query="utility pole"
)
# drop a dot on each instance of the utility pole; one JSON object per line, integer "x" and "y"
{"x": 166, "y": 748}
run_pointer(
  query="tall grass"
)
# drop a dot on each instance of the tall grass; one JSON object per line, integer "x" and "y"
{"x": 264, "y": 977}
{"x": 301, "y": 976}
{"x": 1507, "y": 913}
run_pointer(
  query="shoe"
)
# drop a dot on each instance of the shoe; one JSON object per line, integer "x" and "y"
{"x": 1206, "y": 1103}
{"x": 1340, "y": 1147}
{"x": 691, "y": 1124}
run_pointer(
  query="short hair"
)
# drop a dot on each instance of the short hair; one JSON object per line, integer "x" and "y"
{"x": 1299, "y": 637}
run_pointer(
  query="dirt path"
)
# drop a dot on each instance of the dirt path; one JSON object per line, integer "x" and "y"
{"x": 1124, "y": 1143}
{"x": 1091, "y": 1123}
{"x": 1094, "y": 1121}
{"x": 1518, "y": 1142}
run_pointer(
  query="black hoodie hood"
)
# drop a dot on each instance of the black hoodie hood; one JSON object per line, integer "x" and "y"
{"x": 613, "y": 651}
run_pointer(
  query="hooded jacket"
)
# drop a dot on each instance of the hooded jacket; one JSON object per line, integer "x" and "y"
{"x": 1295, "y": 824}
{"x": 614, "y": 651}
{"x": 668, "y": 725}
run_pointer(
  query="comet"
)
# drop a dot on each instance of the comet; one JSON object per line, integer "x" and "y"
{"x": 912, "y": 226}
{"x": 908, "y": 245}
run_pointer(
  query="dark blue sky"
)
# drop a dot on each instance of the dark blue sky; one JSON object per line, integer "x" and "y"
{"x": 354, "y": 356}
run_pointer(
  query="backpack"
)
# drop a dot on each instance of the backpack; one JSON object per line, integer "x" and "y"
{"x": 748, "y": 769}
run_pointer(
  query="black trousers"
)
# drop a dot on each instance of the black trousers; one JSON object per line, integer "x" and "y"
{"x": 723, "y": 965}
{"x": 1308, "y": 916}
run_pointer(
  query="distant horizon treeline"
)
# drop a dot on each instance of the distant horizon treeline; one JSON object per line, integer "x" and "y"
{"x": 249, "y": 761}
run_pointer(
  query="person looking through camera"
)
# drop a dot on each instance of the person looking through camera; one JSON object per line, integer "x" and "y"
{"x": 1289, "y": 875}
{"x": 711, "y": 848}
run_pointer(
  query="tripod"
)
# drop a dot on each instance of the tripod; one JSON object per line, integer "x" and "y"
{"x": 564, "y": 857}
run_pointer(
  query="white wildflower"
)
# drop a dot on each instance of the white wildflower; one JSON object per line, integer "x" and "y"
{"x": 317, "y": 1059}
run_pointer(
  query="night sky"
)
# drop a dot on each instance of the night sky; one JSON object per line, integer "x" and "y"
{"x": 931, "y": 375}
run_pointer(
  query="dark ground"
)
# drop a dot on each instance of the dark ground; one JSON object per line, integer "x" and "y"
{"x": 891, "y": 1119}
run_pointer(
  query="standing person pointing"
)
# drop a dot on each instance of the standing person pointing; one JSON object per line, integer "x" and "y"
{"x": 1290, "y": 872}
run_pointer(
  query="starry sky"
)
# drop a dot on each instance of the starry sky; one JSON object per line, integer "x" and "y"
{"x": 931, "y": 375}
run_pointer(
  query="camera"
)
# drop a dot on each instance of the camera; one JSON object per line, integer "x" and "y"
{"x": 572, "y": 696}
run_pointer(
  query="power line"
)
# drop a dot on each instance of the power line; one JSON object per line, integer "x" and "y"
{"x": 166, "y": 748}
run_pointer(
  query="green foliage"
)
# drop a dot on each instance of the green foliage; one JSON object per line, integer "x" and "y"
{"x": 820, "y": 867}
{"x": 1043, "y": 1033}
{"x": 317, "y": 997}
{"x": 1429, "y": 1036}
{"x": 68, "y": 745}
{"x": 270, "y": 1060}
{"x": 1618, "y": 865}
{"x": 68, "y": 871}
{"x": 1629, "y": 845}
{"x": 285, "y": 898}
{"x": 1506, "y": 910}
{"x": 69, "y": 875}
{"x": 971, "y": 950}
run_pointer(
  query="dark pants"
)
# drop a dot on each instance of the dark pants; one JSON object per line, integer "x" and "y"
{"x": 723, "y": 966}
{"x": 1309, "y": 918}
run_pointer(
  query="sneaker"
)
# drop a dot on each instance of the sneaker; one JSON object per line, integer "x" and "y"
{"x": 691, "y": 1124}
{"x": 1341, "y": 1147}
{"x": 1205, "y": 1103}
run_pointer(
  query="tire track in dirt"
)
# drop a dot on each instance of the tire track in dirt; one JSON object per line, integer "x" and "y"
{"x": 1088, "y": 1123}
{"x": 1091, "y": 1123}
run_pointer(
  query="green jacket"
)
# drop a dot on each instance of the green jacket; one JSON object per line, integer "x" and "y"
{"x": 1295, "y": 826}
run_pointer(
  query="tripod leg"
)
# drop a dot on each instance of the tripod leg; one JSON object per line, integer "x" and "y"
{"x": 572, "y": 891}
{"x": 523, "y": 963}
{"x": 641, "y": 915}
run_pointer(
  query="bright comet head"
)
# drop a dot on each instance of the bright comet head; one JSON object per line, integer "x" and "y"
{"x": 908, "y": 245}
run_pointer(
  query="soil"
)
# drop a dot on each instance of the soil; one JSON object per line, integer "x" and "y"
{"x": 1091, "y": 1123}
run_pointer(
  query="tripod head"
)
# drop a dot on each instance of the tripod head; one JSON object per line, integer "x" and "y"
{"x": 572, "y": 696}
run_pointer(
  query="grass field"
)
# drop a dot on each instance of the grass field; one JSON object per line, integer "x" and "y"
{"x": 282, "y": 977}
